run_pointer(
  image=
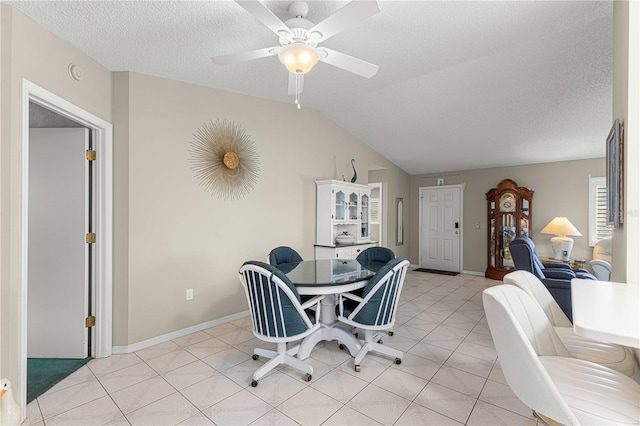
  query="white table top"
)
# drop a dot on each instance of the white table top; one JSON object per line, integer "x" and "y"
{"x": 606, "y": 311}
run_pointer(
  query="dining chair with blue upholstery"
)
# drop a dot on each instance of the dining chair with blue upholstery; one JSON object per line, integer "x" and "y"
{"x": 376, "y": 254}
{"x": 278, "y": 316}
{"x": 284, "y": 254}
{"x": 375, "y": 311}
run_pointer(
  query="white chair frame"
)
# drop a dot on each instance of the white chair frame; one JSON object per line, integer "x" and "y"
{"x": 282, "y": 354}
{"x": 541, "y": 372}
{"x": 374, "y": 333}
{"x": 608, "y": 354}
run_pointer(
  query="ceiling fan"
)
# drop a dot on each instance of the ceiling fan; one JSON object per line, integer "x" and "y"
{"x": 299, "y": 39}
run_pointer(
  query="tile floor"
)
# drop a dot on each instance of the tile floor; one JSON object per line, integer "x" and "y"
{"x": 449, "y": 375}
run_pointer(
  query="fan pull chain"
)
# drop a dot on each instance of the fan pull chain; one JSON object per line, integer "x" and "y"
{"x": 297, "y": 102}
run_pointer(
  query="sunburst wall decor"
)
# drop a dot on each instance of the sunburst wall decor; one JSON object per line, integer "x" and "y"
{"x": 224, "y": 159}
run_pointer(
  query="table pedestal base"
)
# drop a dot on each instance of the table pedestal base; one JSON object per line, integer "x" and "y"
{"x": 328, "y": 333}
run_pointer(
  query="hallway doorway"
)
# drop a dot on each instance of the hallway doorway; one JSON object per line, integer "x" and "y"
{"x": 99, "y": 301}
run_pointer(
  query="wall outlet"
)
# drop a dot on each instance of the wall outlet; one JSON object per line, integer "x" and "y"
{"x": 190, "y": 294}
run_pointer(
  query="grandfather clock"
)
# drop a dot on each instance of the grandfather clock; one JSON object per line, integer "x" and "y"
{"x": 509, "y": 216}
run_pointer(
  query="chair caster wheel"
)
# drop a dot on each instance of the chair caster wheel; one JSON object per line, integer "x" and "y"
{"x": 255, "y": 357}
{"x": 307, "y": 377}
{"x": 254, "y": 383}
{"x": 380, "y": 341}
{"x": 398, "y": 361}
{"x": 355, "y": 335}
{"x": 357, "y": 368}
{"x": 341, "y": 346}
{"x": 390, "y": 333}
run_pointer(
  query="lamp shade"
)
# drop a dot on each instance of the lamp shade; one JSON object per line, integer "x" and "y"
{"x": 560, "y": 226}
{"x": 298, "y": 57}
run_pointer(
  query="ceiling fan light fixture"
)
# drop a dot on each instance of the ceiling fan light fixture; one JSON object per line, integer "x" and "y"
{"x": 298, "y": 58}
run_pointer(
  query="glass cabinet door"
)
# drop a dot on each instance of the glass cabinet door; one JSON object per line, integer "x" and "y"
{"x": 364, "y": 216}
{"x": 507, "y": 234}
{"x": 353, "y": 206}
{"x": 524, "y": 218}
{"x": 340, "y": 205}
{"x": 492, "y": 243}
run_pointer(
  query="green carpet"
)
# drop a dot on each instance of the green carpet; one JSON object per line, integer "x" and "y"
{"x": 43, "y": 373}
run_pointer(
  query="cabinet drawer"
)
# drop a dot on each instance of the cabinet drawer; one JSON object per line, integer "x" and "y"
{"x": 344, "y": 253}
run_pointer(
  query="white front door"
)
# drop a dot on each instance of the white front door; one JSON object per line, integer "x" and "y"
{"x": 440, "y": 228}
{"x": 58, "y": 254}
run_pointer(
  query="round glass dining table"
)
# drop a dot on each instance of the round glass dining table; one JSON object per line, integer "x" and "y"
{"x": 329, "y": 277}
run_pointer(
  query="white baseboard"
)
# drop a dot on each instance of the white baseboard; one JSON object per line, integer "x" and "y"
{"x": 178, "y": 333}
{"x": 480, "y": 274}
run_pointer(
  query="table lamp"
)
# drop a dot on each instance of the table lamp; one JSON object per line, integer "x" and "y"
{"x": 561, "y": 243}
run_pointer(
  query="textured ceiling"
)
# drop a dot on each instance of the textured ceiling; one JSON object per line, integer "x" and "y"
{"x": 461, "y": 85}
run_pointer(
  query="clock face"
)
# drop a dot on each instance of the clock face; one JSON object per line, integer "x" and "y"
{"x": 507, "y": 203}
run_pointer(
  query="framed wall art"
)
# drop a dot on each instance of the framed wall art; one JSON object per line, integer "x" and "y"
{"x": 224, "y": 159}
{"x": 615, "y": 175}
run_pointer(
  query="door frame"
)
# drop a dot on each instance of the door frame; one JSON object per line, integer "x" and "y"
{"x": 461, "y": 245}
{"x": 102, "y": 133}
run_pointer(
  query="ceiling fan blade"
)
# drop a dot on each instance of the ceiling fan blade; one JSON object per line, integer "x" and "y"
{"x": 232, "y": 58}
{"x": 292, "y": 83}
{"x": 351, "y": 14}
{"x": 267, "y": 17}
{"x": 348, "y": 63}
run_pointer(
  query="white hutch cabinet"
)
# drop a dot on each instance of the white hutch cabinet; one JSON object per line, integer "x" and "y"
{"x": 342, "y": 207}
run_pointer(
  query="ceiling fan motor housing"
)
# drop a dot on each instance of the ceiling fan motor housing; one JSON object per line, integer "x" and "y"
{"x": 299, "y": 9}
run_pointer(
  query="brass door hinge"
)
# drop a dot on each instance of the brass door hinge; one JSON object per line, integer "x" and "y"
{"x": 90, "y": 321}
{"x": 91, "y": 155}
{"x": 90, "y": 238}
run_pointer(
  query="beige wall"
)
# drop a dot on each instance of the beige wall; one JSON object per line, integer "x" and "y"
{"x": 560, "y": 189}
{"x": 395, "y": 184}
{"x": 29, "y": 51}
{"x": 121, "y": 208}
{"x": 181, "y": 237}
{"x": 169, "y": 234}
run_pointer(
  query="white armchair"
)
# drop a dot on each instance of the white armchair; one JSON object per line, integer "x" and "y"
{"x": 608, "y": 354}
{"x": 601, "y": 263}
{"x": 542, "y": 373}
